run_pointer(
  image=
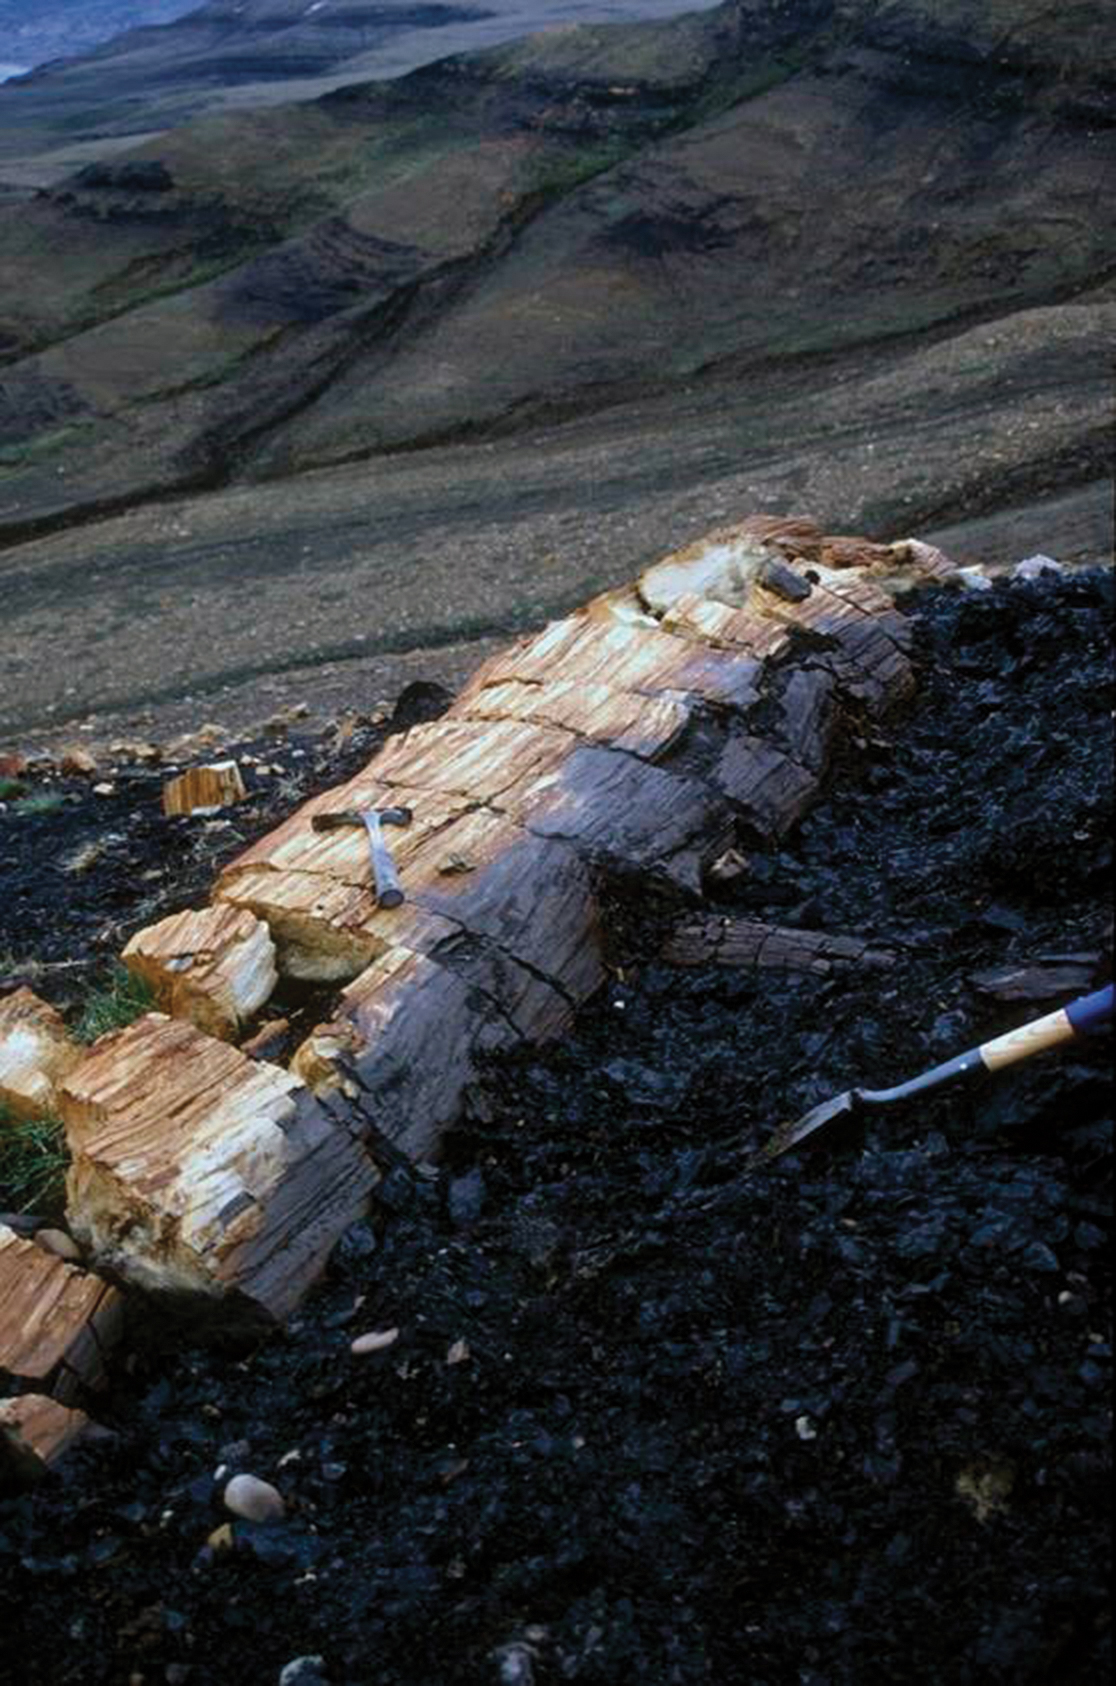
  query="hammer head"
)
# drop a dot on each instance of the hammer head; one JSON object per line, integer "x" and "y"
{"x": 356, "y": 816}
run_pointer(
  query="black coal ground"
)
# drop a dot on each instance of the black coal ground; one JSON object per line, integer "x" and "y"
{"x": 843, "y": 1420}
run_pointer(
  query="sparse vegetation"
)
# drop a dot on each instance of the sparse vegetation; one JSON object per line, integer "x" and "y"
{"x": 43, "y": 445}
{"x": 10, "y": 789}
{"x": 39, "y": 804}
{"x": 553, "y": 175}
{"x": 33, "y": 1161}
{"x": 122, "y": 999}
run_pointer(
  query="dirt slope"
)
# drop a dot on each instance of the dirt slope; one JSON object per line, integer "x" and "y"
{"x": 829, "y": 256}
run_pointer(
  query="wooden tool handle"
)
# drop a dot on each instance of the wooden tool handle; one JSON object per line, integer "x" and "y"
{"x": 1081, "y": 1016}
{"x": 1029, "y": 1039}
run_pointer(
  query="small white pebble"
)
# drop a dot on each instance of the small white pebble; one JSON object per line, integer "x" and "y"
{"x": 1032, "y": 567}
{"x": 805, "y": 1429}
{"x": 458, "y": 1352}
{"x": 375, "y": 1341}
{"x": 56, "y": 1241}
{"x": 253, "y": 1499}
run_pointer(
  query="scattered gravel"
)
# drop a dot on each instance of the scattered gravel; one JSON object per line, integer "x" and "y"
{"x": 847, "y": 1419}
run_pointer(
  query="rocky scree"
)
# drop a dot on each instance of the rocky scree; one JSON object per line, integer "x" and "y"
{"x": 647, "y": 1418}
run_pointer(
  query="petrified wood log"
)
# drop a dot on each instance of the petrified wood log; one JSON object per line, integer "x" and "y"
{"x": 57, "y": 1323}
{"x": 199, "y": 1171}
{"x": 35, "y": 1054}
{"x": 214, "y": 967}
{"x": 630, "y": 740}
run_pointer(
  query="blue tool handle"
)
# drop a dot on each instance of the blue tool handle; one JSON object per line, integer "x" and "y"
{"x": 1090, "y": 1012}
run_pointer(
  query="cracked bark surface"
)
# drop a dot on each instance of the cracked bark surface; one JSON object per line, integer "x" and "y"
{"x": 717, "y": 940}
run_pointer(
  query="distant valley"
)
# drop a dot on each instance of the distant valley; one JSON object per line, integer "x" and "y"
{"x": 296, "y": 386}
{"x": 52, "y": 29}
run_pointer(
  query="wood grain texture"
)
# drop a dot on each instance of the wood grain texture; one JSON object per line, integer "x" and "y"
{"x": 201, "y": 790}
{"x": 214, "y": 966}
{"x": 583, "y": 650}
{"x": 57, "y": 1323}
{"x": 720, "y": 940}
{"x": 36, "y": 1052}
{"x": 199, "y": 1171}
{"x": 35, "y": 1433}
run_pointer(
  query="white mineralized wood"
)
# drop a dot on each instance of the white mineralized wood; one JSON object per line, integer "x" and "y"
{"x": 35, "y": 1054}
{"x": 215, "y": 966}
{"x": 200, "y": 1171}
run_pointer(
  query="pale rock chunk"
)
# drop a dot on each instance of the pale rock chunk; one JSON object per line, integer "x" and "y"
{"x": 56, "y": 1241}
{"x": 35, "y": 1054}
{"x": 254, "y": 1500}
{"x": 377, "y": 1340}
{"x": 214, "y": 967}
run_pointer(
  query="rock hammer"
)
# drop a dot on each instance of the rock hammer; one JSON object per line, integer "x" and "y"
{"x": 389, "y": 891}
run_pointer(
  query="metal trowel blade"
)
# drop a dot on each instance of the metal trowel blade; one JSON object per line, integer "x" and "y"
{"x": 789, "y": 1135}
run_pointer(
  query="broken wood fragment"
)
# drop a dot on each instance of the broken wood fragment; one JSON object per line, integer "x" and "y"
{"x": 35, "y": 1434}
{"x": 714, "y": 940}
{"x": 326, "y": 930}
{"x": 269, "y": 1041}
{"x": 201, "y": 1172}
{"x": 57, "y": 1323}
{"x": 215, "y": 967}
{"x": 202, "y": 790}
{"x": 1041, "y": 980}
{"x": 631, "y": 743}
{"x": 36, "y": 1052}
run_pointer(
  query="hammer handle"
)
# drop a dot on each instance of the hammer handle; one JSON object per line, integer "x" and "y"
{"x": 389, "y": 891}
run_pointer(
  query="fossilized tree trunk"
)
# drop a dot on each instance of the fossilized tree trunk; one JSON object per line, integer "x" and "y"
{"x": 624, "y": 747}
{"x": 627, "y": 743}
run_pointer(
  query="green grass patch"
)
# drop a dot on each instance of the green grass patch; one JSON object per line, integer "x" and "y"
{"x": 38, "y": 804}
{"x": 10, "y": 789}
{"x": 120, "y": 1000}
{"x": 44, "y": 445}
{"x": 33, "y": 1163}
{"x": 555, "y": 175}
